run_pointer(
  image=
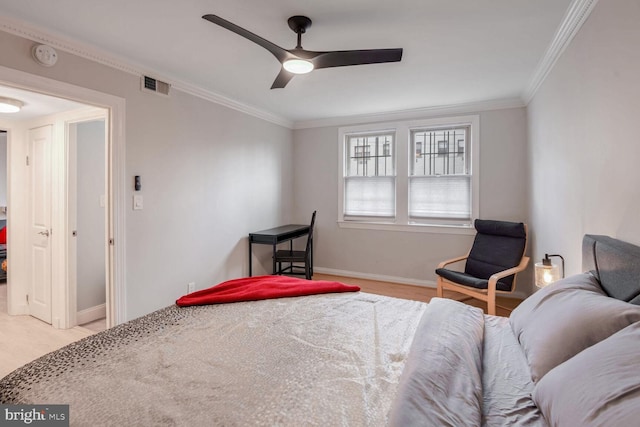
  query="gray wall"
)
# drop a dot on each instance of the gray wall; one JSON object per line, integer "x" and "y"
{"x": 90, "y": 214}
{"x": 408, "y": 255}
{"x": 210, "y": 176}
{"x": 583, "y": 137}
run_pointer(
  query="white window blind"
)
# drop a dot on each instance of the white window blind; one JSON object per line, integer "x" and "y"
{"x": 440, "y": 197}
{"x": 369, "y": 178}
{"x": 370, "y": 196}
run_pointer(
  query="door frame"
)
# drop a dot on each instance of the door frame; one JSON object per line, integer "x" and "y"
{"x": 115, "y": 211}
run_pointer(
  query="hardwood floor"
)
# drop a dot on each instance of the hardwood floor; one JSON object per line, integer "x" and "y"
{"x": 25, "y": 338}
{"x": 418, "y": 293}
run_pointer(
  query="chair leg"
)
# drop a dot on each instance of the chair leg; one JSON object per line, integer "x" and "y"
{"x": 491, "y": 301}
{"x": 491, "y": 307}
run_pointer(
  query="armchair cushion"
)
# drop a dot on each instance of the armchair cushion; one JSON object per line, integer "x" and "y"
{"x": 498, "y": 246}
{"x": 469, "y": 280}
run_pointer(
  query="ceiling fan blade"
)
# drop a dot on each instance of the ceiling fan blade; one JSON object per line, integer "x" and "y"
{"x": 341, "y": 58}
{"x": 282, "y": 79}
{"x": 280, "y": 53}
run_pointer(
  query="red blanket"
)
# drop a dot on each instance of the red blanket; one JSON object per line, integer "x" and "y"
{"x": 262, "y": 287}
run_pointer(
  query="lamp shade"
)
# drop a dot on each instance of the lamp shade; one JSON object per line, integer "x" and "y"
{"x": 546, "y": 274}
{"x": 298, "y": 66}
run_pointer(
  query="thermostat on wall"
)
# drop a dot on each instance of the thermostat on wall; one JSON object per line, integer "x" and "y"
{"x": 45, "y": 55}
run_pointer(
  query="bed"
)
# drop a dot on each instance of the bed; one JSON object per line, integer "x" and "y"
{"x": 356, "y": 359}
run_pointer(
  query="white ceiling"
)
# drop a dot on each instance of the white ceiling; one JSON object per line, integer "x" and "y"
{"x": 455, "y": 52}
{"x": 35, "y": 104}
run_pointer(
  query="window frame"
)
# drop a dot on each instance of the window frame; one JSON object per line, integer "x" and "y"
{"x": 344, "y": 173}
{"x": 443, "y": 148}
{"x": 403, "y": 157}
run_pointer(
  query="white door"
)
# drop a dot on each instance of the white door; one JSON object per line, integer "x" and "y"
{"x": 39, "y": 298}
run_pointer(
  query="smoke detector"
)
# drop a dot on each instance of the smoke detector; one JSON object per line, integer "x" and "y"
{"x": 45, "y": 55}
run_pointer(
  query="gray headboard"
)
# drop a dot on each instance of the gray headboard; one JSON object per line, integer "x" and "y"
{"x": 616, "y": 264}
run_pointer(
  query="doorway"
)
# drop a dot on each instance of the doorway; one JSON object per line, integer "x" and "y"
{"x": 59, "y": 148}
{"x": 87, "y": 217}
{"x": 64, "y": 297}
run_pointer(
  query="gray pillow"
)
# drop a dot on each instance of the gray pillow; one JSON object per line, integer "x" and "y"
{"x": 600, "y": 386}
{"x": 561, "y": 320}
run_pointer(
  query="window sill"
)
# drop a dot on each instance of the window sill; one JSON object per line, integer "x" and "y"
{"x": 412, "y": 228}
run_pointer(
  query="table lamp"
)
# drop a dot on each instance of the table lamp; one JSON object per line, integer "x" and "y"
{"x": 546, "y": 272}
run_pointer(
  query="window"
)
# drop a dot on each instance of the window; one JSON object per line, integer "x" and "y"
{"x": 434, "y": 182}
{"x": 369, "y": 178}
{"x": 439, "y": 180}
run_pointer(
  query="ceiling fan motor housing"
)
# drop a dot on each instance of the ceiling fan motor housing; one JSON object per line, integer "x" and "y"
{"x": 299, "y": 24}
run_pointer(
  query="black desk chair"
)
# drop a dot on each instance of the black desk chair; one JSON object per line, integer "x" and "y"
{"x": 496, "y": 256}
{"x": 292, "y": 257}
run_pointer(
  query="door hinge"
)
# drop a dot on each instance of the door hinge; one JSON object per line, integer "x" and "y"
{"x": 27, "y": 298}
{"x": 111, "y": 242}
{"x": 27, "y": 160}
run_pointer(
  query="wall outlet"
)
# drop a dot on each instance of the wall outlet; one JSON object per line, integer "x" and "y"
{"x": 191, "y": 287}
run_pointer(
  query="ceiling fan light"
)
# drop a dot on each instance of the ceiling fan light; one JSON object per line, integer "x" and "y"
{"x": 10, "y": 105}
{"x": 298, "y": 66}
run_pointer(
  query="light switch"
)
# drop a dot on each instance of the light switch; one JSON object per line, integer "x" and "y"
{"x": 137, "y": 202}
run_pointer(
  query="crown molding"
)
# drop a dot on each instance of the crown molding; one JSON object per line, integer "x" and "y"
{"x": 92, "y": 53}
{"x": 230, "y": 103}
{"x": 575, "y": 17}
{"x": 58, "y": 41}
{"x": 440, "y": 110}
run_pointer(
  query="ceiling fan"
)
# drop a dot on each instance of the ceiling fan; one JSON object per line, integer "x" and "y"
{"x": 301, "y": 61}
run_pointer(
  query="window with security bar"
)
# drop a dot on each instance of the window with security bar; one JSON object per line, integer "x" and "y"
{"x": 369, "y": 175}
{"x": 439, "y": 174}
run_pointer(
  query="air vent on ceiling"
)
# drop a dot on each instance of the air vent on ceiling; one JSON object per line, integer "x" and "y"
{"x": 152, "y": 85}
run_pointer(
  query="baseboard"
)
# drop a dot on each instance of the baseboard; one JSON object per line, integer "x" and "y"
{"x": 378, "y": 277}
{"x": 394, "y": 279}
{"x": 19, "y": 310}
{"x": 90, "y": 314}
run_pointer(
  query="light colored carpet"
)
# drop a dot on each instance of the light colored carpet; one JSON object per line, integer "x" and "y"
{"x": 25, "y": 338}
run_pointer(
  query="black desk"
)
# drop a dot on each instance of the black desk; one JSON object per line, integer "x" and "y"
{"x": 276, "y": 235}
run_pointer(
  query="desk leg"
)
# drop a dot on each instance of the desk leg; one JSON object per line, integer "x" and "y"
{"x": 291, "y": 251}
{"x": 250, "y": 251}
{"x": 274, "y": 258}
